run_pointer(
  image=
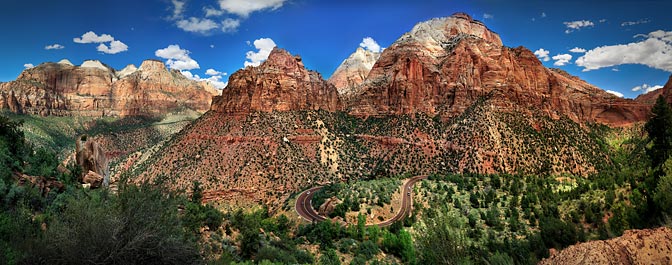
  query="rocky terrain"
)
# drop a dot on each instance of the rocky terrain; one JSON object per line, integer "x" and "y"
{"x": 444, "y": 65}
{"x": 648, "y": 246}
{"x": 353, "y": 71}
{"x": 95, "y": 89}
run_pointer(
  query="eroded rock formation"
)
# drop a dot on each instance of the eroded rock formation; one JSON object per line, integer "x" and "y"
{"x": 91, "y": 157}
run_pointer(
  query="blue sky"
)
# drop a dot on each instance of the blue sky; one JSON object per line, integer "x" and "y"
{"x": 623, "y": 44}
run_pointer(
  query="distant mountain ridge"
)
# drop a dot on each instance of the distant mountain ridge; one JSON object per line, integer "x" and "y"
{"x": 353, "y": 71}
{"x": 96, "y": 89}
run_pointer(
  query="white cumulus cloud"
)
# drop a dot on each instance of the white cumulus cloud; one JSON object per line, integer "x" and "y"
{"x": 655, "y": 51}
{"x": 370, "y": 44}
{"x": 28, "y": 65}
{"x": 615, "y": 93}
{"x": 212, "y": 12}
{"x": 55, "y": 46}
{"x": 561, "y": 59}
{"x": 177, "y": 58}
{"x": 646, "y": 88}
{"x": 197, "y": 25}
{"x": 92, "y": 37}
{"x": 243, "y": 8}
{"x": 577, "y": 50}
{"x": 576, "y": 25}
{"x": 542, "y": 54}
{"x": 215, "y": 80}
{"x": 114, "y": 48}
{"x": 264, "y": 47}
{"x": 213, "y": 72}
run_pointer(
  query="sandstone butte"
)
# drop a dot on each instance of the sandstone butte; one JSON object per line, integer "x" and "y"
{"x": 95, "y": 89}
{"x": 281, "y": 83}
{"x": 444, "y": 65}
{"x": 353, "y": 71}
{"x": 648, "y": 246}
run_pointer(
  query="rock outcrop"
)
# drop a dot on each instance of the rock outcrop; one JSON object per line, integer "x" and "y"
{"x": 649, "y": 246}
{"x": 95, "y": 89}
{"x": 445, "y": 65}
{"x": 91, "y": 157}
{"x": 353, "y": 71}
{"x": 281, "y": 83}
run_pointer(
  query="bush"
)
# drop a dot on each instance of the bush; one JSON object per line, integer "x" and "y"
{"x": 140, "y": 226}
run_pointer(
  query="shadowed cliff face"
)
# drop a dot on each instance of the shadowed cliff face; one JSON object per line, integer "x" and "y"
{"x": 281, "y": 83}
{"x": 94, "y": 89}
{"x": 444, "y": 65}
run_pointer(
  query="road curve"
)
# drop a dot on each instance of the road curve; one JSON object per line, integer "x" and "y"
{"x": 305, "y": 209}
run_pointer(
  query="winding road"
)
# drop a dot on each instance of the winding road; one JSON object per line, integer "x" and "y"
{"x": 305, "y": 208}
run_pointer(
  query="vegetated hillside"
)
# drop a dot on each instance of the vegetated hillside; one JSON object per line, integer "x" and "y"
{"x": 265, "y": 157}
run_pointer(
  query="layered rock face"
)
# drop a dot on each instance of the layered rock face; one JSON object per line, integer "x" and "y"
{"x": 353, "y": 71}
{"x": 649, "y": 246}
{"x": 281, "y": 83}
{"x": 95, "y": 89}
{"x": 91, "y": 157}
{"x": 445, "y": 65}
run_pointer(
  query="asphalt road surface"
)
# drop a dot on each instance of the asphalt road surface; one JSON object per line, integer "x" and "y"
{"x": 305, "y": 209}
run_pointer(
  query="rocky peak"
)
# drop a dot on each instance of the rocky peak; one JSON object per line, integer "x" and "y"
{"x": 128, "y": 70}
{"x": 65, "y": 62}
{"x": 440, "y": 31}
{"x": 281, "y": 83}
{"x": 152, "y": 66}
{"x": 95, "y": 64}
{"x": 353, "y": 70}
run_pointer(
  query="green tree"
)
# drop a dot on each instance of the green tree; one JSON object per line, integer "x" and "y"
{"x": 442, "y": 241}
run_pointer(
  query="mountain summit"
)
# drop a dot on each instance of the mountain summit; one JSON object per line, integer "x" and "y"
{"x": 281, "y": 83}
{"x": 353, "y": 70}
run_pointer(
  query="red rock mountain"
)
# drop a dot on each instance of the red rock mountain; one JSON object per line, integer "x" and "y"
{"x": 445, "y": 65}
{"x": 95, "y": 89}
{"x": 281, "y": 83}
{"x": 353, "y": 71}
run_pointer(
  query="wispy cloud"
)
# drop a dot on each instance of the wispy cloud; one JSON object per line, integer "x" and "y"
{"x": 632, "y": 23}
{"x": 577, "y": 25}
{"x": 55, "y": 46}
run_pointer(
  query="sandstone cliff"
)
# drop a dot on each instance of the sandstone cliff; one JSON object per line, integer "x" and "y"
{"x": 445, "y": 65}
{"x": 281, "y": 83}
{"x": 91, "y": 157}
{"x": 353, "y": 71}
{"x": 649, "y": 246}
{"x": 650, "y": 98}
{"x": 95, "y": 89}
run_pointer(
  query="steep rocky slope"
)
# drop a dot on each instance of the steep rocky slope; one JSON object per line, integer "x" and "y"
{"x": 649, "y": 246}
{"x": 95, "y": 89}
{"x": 444, "y": 65}
{"x": 353, "y": 71}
